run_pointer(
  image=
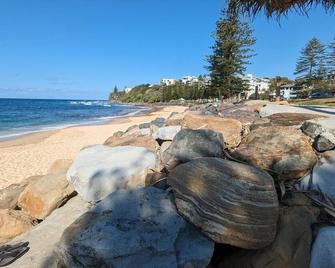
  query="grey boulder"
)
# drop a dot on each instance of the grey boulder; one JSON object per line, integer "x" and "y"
{"x": 191, "y": 144}
{"x": 323, "y": 251}
{"x": 166, "y": 133}
{"x": 137, "y": 228}
{"x": 100, "y": 170}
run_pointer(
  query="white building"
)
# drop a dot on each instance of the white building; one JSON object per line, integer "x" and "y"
{"x": 189, "y": 80}
{"x": 127, "y": 89}
{"x": 168, "y": 82}
{"x": 288, "y": 91}
{"x": 253, "y": 82}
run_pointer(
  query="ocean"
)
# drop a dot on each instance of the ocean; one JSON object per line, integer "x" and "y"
{"x": 23, "y": 116}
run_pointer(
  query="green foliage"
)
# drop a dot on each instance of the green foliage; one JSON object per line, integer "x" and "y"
{"x": 311, "y": 64}
{"x": 331, "y": 58}
{"x": 231, "y": 51}
{"x": 115, "y": 90}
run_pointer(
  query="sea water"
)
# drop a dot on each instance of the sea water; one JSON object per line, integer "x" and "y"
{"x": 24, "y": 116}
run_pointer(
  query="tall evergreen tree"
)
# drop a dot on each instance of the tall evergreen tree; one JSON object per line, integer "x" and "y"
{"x": 231, "y": 51}
{"x": 331, "y": 58}
{"x": 311, "y": 64}
{"x": 115, "y": 90}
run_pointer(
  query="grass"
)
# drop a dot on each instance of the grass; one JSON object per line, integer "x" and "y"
{"x": 322, "y": 102}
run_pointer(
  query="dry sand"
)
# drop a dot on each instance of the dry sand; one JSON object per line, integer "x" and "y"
{"x": 34, "y": 154}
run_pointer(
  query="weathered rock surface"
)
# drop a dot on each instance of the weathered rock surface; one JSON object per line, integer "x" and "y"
{"x": 241, "y": 112}
{"x": 291, "y": 248}
{"x": 175, "y": 119}
{"x": 231, "y": 129}
{"x": 44, "y": 237}
{"x": 10, "y": 194}
{"x": 166, "y": 133}
{"x": 100, "y": 170}
{"x": 60, "y": 166}
{"x": 314, "y": 128}
{"x": 133, "y": 140}
{"x": 291, "y": 119}
{"x": 159, "y": 122}
{"x": 284, "y": 151}
{"x": 324, "y": 142}
{"x": 323, "y": 251}
{"x": 231, "y": 203}
{"x": 14, "y": 223}
{"x": 322, "y": 177}
{"x": 45, "y": 194}
{"x": 190, "y": 144}
{"x": 133, "y": 228}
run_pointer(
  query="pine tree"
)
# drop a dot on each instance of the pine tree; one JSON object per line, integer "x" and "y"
{"x": 115, "y": 90}
{"x": 331, "y": 58}
{"x": 231, "y": 51}
{"x": 310, "y": 64}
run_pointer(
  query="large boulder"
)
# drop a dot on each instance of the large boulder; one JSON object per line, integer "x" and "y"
{"x": 231, "y": 129}
{"x": 323, "y": 133}
{"x": 60, "y": 166}
{"x": 231, "y": 203}
{"x": 100, "y": 170}
{"x": 323, "y": 251}
{"x": 14, "y": 223}
{"x": 291, "y": 247}
{"x": 284, "y": 151}
{"x": 190, "y": 144}
{"x": 132, "y": 140}
{"x": 166, "y": 133}
{"x": 45, "y": 194}
{"x": 322, "y": 177}
{"x": 133, "y": 228}
{"x": 10, "y": 194}
{"x": 44, "y": 237}
{"x": 175, "y": 119}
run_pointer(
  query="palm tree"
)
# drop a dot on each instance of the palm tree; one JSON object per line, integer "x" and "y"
{"x": 278, "y": 7}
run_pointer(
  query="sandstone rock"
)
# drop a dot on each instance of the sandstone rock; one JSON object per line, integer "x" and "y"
{"x": 60, "y": 166}
{"x": 44, "y": 237}
{"x": 246, "y": 114}
{"x": 159, "y": 122}
{"x": 10, "y": 194}
{"x": 284, "y": 151}
{"x": 323, "y": 251}
{"x": 139, "y": 227}
{"x": 324, "y": 142}
{"x": 291, "y": 248}
{"x": 231, "y": 203}
{"x": 118, "y": 134}
{"x": 231, "y": 129}
{"x": 14, "y": 223}
{"x": 175, "y": 119}
{"x": 191, "y": 144}
{"x": 133, "y": 140}
{"x": 45, "y": 194}
{"x": 166, "y": 133}
{"x": 291, "y": 119}
{"x": 101, "y": 170}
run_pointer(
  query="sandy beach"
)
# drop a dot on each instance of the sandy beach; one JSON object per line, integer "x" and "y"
{"x": 34, "y": 154}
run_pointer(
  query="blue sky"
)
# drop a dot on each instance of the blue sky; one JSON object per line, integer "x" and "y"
{"x": 82, "y": 48}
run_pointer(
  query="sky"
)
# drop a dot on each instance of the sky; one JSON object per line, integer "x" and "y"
{"x": 81, "y": 49}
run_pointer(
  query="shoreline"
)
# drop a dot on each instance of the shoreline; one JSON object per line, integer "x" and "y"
{"x": 34, "y": 153}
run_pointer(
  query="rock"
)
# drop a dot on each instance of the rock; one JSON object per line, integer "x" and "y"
{"x": 324, "y": 142}
{"x": 44, "y": 237}
{"x": 284, "y": 151}
{"x": 231, "y": 203}
{"x": 14, "y": 223}
{"x": 139, "y": 227}
{"x": 190, "y": 144}
{"x": 118, "y": 134}
{"x": 175, "y": 119}
{"x": 45, "y": 194}
{"x": 60, "y": 166}
{"x": 133, "y": 140}
{"x": 101, "y": 170}
{"x": 166, "y": 133}
{"x": 246, "y": 114}
{"x": 322, "y": 177}
{"x": 159, "y": 122}
{"x": 314, "y": 128}
{"x": 291, "y": 247}
{"x": 10, "y": 194}
{"x": 144, "y": 125}
{"x": 323, "y": 251}
{"x": 132, "y": 130}
{"x": 231, "y": 129}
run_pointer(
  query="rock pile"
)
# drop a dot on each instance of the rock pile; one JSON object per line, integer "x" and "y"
{"x": 167, "y": 192}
